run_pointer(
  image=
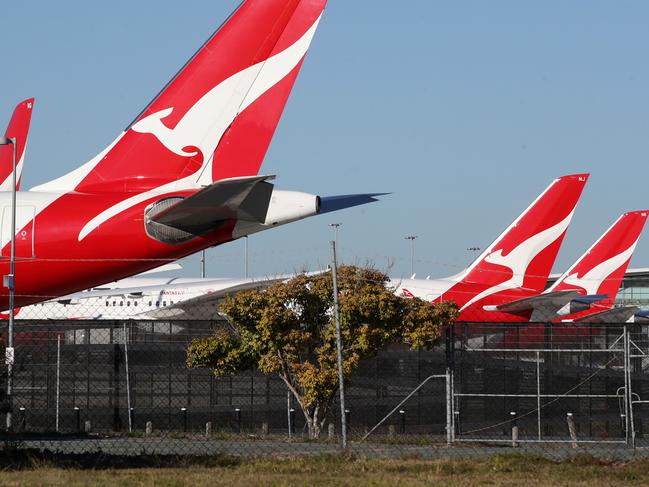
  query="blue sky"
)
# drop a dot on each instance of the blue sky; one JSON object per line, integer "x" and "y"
{"x": 464, "y": 110}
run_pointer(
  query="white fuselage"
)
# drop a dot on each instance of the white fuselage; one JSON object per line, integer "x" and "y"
{"x": 138, "y": 297}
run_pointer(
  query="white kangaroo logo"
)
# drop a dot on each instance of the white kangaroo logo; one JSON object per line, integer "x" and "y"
{"x": 205, "y": 123}
{"x": 519, "y": 259}
{"x": 593, "y": 279}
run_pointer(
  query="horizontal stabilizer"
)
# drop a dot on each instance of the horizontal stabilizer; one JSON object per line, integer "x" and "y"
{"x": 548, "y": 301}
{"x": 642, "y": 316}
{"x": 244, "y": 198}
{"x": 613, "y": 315}
{"x": 591, "y": 298}
{"x": 335, "y": 203}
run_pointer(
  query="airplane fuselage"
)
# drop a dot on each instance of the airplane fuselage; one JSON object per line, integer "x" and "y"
{"x": 141, "y": 298}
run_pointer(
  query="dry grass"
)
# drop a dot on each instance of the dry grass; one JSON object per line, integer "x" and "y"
{"x": 498, "y": 470}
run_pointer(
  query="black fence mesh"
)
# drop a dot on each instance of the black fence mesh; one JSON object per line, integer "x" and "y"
{"x": 122, "y": 387}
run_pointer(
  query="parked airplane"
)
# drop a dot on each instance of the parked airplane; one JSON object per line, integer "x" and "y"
{"x": 19, "y": 129}
{"x": 183, "y": 176}
{"x": 586, "y": 291}
{"x": 515, "y": 265}
{"x": 146, "y": 298}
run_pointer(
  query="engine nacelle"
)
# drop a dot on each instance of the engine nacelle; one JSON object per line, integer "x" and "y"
{"x": 289, "y": 206}
{"x": 285, "y": 207}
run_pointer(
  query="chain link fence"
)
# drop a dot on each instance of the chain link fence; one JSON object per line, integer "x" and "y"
{"x": 122, "y": 388}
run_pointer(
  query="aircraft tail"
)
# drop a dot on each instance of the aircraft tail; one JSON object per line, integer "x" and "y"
{"x": 601, "y": 269}
{"x": 19, "y": 129}
{"x": 523, "y": 255}
{"x": 215, "y": 119}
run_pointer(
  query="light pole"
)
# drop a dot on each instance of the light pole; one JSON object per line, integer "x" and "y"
{"x": 412, "y": 253}
{"x": 246, "y": 257}
{"x": 8, "y": 281}
{"x": 335, "y": 226}
{"x": 203, "y": 264}
{"x": 339, "y": 347}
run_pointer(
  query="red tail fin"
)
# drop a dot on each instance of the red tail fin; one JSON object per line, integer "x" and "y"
{"x": 216, "y": 118}
{"x": 19, "y": 129}
{"x": 523, "y": 256}
{"x": 601, "y": 269}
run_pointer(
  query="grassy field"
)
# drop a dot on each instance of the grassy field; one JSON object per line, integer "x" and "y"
{"x": 497, "y": 470}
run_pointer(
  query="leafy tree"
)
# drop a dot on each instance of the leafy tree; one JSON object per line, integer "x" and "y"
{"x": 289, "y": 330}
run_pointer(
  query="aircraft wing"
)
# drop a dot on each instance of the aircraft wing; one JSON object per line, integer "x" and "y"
{"x": 613, "y": 315}
{"x": 201, "y": 307}
{"x": 163, "y": 268}
{"x": 204, "y": 307}
{"x": 543, "y": 306}
{"x": 219, "y": 285}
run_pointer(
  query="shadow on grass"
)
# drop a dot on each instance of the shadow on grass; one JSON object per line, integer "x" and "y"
{"x": 19, "y": 459}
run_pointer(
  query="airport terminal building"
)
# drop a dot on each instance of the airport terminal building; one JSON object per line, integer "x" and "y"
{"x": 635, "y": 289}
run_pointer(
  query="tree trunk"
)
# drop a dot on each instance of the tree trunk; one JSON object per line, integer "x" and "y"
{"x": 314, "y": 429}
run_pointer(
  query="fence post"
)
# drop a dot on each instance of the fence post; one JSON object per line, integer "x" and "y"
{"x": 128, "y": 381}
{"x": 402, "y": 413}
{"x": 514, "y": 422}
{"x": 208, "y": 428}
{"x": 289, "y": 415}
{"x": 183, "y": 412}
{"x": 237, "y": 417}
{"x": 538, "y": 394}
{"x": 628, "y": 393}
{"x": 58, "y": 378}
{"x": 291, "y": 421}
{"x": 572, "y": 430}
{"x": 77, "y": 419}
{"x": 23, "y": 419}
{"x": 449, "y": 409}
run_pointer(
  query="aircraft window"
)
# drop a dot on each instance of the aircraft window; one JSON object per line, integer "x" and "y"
{"x": 107, "y": 303}
{"x": 164, "y": 303}
{"x": 135, "y": 303}
{"x": 114, "y": 303}
{"x": 149, "y": 303}
{"x": 157, "y": 303}
{"x": 172, "y": 302}
{"x": 121, "y": 303}
{"x": 128, "y": 303}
